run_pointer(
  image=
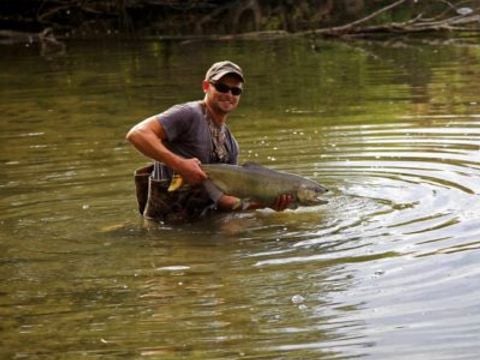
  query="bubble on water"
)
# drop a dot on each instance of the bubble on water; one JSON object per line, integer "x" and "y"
{"x": 298, "y": 299}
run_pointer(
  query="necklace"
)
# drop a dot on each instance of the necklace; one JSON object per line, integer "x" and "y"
{"x": 218, "y": 135}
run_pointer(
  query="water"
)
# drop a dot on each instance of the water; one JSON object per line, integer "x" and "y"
{"x": 387, "y": 269}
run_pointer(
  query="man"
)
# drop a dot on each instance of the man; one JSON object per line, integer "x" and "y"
{"x": 183, "y": 137}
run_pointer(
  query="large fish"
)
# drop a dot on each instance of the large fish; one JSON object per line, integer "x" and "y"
{"x": 256, "y": 182}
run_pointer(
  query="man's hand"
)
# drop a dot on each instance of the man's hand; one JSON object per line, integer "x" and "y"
{"x": 191, "y": 171}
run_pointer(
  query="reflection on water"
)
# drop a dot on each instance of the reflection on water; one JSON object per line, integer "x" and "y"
{"x": 387, "y": 269}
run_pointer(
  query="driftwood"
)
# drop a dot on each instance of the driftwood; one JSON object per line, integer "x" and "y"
{"x": 463, "y": 19}
{"x": 45, "y": 40}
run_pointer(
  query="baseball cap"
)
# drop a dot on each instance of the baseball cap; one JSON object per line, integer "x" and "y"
{"x": 222, "y": 68}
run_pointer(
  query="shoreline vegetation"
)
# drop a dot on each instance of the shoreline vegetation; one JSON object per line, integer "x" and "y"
{"x": 49, "y": 22}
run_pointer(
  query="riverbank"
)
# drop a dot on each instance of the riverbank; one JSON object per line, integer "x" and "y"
{"x": 167, "y": 19}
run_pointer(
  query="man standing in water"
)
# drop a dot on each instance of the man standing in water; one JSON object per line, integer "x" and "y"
{"x": 180, "y": 139}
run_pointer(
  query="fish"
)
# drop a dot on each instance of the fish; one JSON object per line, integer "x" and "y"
{"x": 254, "y": 182}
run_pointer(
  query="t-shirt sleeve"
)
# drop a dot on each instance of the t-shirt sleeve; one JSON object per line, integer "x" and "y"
{"x": 213, "y": 192}
{"x": 176, "y": 121}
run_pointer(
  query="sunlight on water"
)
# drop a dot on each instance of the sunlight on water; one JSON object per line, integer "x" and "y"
{"x": 387, "y": 269}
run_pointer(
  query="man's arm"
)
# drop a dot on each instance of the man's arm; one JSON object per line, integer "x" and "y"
{"x": 148, "y": 136}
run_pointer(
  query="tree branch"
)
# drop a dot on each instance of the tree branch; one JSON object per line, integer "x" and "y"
{"x": 416, "y": 24}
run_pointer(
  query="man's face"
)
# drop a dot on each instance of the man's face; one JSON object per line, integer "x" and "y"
{"x": 223, "y": 94}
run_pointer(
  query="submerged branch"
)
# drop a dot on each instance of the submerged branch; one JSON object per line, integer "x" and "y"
{"x": 347, "y": 27}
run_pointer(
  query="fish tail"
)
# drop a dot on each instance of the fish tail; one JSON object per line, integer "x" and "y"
{"x": 176, "y": 183}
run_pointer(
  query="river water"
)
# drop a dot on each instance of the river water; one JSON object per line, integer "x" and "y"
{"x": 387, "y": 269}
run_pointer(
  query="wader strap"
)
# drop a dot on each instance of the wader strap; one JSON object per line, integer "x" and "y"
{"x": 141, "y": 176}
{"x": 160, "y": 202}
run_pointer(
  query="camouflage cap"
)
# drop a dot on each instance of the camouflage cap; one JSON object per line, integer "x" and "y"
{"x": 222, "y": 68}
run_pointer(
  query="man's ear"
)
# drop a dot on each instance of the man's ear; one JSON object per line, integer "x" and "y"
{"x": 205, "y": 85}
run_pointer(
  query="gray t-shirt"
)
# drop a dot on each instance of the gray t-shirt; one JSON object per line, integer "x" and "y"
{"x": 188, "y": 135}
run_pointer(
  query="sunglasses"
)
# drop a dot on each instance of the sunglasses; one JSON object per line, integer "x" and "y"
{"x": 222, "y": 88}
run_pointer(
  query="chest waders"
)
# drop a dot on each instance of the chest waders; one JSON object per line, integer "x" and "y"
{"x": 155, "y": 202}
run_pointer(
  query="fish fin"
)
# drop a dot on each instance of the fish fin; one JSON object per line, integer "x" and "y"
{"x": 253, "y": 165}
{"x": 176, "y": 183}
{"x": 247, "y": 203}
{"x": 292, "y": 206}
{"x": 243, "y": 204}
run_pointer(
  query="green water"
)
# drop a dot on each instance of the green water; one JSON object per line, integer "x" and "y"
{"x": 387, "y": 269}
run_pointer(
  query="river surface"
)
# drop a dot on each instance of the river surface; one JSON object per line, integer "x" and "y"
{"x": 388, "y": 269}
